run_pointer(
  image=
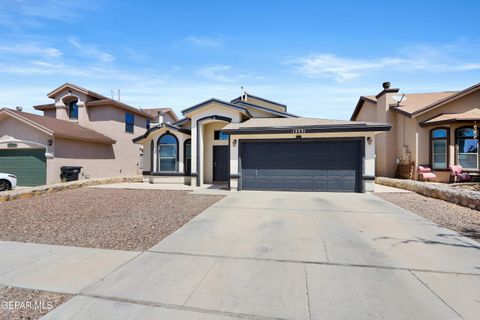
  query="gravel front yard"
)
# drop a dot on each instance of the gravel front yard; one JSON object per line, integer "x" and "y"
{"x": 101, "y": 218}
{"x": 461, "y": 219}
{"x": 17, "y": 303}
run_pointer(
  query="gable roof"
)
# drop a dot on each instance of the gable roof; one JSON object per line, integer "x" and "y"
{"x": 66, "y": 85}
{"x": 418, "y": 102}
{"x": 452, "y": 95}
{"x": 158, "y": 127}
{"x": 224, "y": 103}
{"x": 286, "y": 125}
{"x": 265, "y": 109}
{"x": 100, "y": 100}
{"x": 59, "y": 128}
{"x": 241, "y": 98}
{"x": 414, "y": 104}
{"x": 359, "y": 105}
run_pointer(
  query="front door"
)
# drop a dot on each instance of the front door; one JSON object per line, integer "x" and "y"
{"x": 220, "y": 163}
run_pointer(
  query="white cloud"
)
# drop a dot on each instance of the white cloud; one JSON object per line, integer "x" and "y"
{"x": 226, "y": 74}
{"x": 217, "y": 73}
{"x": 91, "y": 51}
{"x": 33, "y": 11}
{"x": 32, "y": 48}
{"x": 208, "y": 42}
{"x": 344, "y": 68}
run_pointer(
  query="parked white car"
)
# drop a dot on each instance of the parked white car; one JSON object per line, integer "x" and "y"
{"x": 7, "y": 181}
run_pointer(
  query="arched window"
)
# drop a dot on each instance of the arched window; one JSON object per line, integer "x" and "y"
{"x": 439, "y": 148}
{"x": 188, "y": 156}
{"x": 73, "y": 110}
{"x": 467, "y": 148}
{"x": 168, "y": 153}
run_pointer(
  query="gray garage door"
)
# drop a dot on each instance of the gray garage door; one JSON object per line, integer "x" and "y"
{"x": 302, "y": 165}
{"x": 29, "y": 165}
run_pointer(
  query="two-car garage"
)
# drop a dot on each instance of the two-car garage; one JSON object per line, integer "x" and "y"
{"x": 303, "y": 154}
{"x": 302, "y": 165}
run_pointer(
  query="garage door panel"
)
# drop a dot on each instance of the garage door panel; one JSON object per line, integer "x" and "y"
{"x": 29, "y": 165}
{"x": 301, "y": 165}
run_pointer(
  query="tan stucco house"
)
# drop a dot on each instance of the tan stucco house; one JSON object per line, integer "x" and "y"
{"x": 255, "y": 144}
{"x": 79, "y": 128}
{"x": 436, "y": 129}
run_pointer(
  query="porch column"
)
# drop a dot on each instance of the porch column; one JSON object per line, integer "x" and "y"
{"x": 155, "y": 156}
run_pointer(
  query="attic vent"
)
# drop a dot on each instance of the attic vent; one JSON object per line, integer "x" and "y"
{"x": 19, "y": 108}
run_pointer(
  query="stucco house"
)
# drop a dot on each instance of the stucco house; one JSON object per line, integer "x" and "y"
{"x": 436, "y": 129}
{"x": 79, "y": 128}
{"x": 255, "y": 144}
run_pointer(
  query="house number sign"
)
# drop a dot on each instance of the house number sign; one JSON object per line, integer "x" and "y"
{"x": 298, "y": 131}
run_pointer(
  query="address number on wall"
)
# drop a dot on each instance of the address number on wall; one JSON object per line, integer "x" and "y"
{"x": 298, "y": 130}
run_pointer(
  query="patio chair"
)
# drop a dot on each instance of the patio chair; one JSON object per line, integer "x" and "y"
{"x": 425, "y": 173}
{"x": 457, "y": 174}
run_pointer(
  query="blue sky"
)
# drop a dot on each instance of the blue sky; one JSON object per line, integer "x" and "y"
{"x": 318, "y": 57}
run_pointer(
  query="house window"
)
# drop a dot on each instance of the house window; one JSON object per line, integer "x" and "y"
{"x": 188, "y": 156}
{"x": 147, "y": 124}
{"x": 467, "y": 148}
{"x": 167, "y": 153}
{"x": 129, "y": 122}
{"x": 439, "y": 148}
{"x": 219, "y": 135}
{"x": 73, "y": 110}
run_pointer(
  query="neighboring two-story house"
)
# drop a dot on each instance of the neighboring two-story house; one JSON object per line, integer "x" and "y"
{"x": 80, "y": 128}
{"x": 438, "y": 129}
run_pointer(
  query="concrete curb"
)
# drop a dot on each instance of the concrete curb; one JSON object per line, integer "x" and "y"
{"x": 466, "y": 198}
{"x": 41, "y": 190}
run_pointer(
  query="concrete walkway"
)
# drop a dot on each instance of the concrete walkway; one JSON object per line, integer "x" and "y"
{"x": 56, "y": 268}
{"x": 281, "y": 255}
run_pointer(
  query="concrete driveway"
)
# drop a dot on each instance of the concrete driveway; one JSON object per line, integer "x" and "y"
{"x": 281, "y": 255}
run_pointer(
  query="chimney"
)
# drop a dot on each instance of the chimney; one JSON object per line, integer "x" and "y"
{"x": 19, "y": 108}
{"x": 160, "y": 117}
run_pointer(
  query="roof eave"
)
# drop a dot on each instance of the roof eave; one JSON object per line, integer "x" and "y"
{"x": 66, "y": 136}
{"x": 213, "y": 100}
{"x": 446, "y": 100}
{"x": 311, "y": 129}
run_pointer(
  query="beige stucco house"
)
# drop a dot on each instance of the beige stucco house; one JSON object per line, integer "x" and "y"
{"x": 436, "y": 129}
{"x": 254, "y": 143}
{"x": 80, "y": 128}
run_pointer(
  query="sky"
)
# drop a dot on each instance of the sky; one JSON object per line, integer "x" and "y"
{"x": 317, "y": 57}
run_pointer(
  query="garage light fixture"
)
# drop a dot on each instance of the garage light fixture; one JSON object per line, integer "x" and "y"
{"x": 50, "y": 142}
{"x": 234, "y": 142}
{"x": 369, "y": 140}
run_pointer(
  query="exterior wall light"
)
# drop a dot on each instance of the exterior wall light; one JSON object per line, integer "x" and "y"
{"x": 369, "y": 140}
{"x": 50, "y": 142}
{"x": 234, "y": 142}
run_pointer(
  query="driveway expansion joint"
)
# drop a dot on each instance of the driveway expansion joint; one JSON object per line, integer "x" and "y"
{"x": 309, "y": 262}
{"x": 306, "y": 290}
{"x": 180, "y": 307}
{"x": 435, "y": 294}
{"x": 198, "y": 284}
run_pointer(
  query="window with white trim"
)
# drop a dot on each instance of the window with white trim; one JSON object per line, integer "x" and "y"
{"x": 439, "y": 156}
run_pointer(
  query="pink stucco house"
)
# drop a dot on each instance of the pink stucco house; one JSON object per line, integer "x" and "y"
{"x": 78, "y": 128}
